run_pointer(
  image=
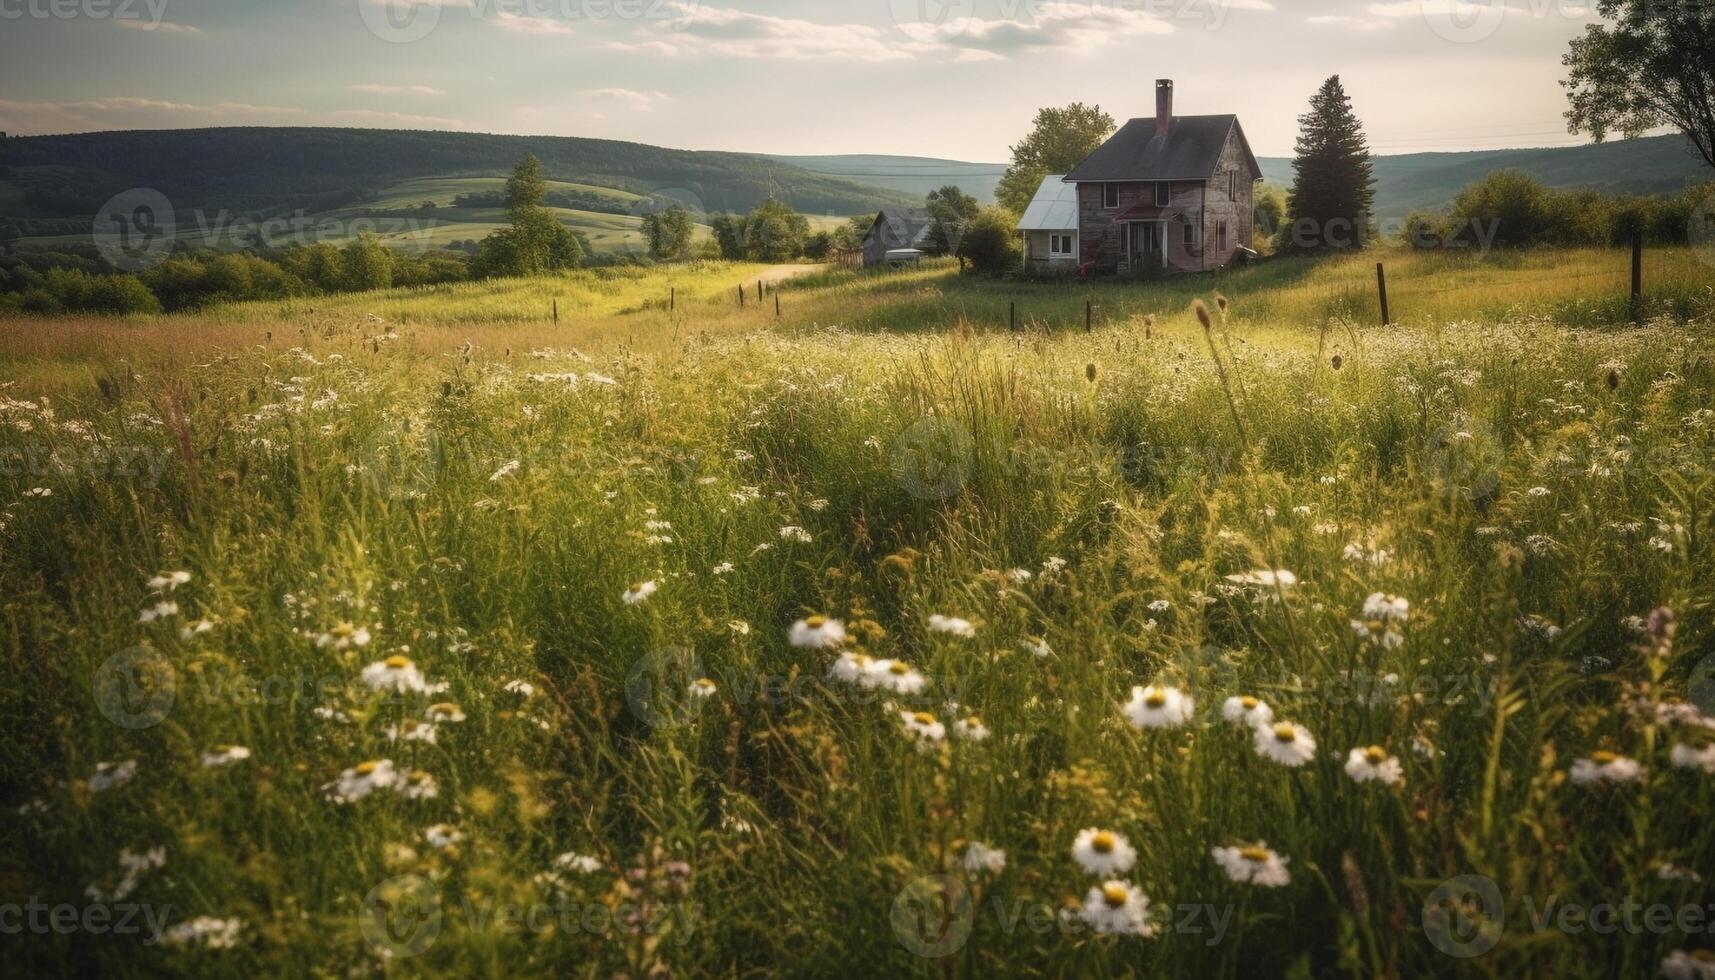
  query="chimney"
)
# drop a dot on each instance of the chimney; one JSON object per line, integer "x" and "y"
{"x": 1163, "y": 105}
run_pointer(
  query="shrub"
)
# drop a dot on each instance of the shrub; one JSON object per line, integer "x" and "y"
{"x": 990, "y": 243}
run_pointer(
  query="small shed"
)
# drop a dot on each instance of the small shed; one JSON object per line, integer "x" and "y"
{"x": 893, "y": 229}
{"x": 1050, "y": 226}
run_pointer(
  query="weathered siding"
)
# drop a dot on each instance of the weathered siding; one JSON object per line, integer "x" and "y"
{"x": 1036, "y": 251}
{"x": 1202, "y": 203}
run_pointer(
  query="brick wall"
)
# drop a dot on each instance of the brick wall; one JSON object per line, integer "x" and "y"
{"x": 1197, "y": 201}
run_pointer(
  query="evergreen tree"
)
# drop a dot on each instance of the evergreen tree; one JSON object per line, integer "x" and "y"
{"x": 536, "y": 242}
{"x": 1333, "y": 188}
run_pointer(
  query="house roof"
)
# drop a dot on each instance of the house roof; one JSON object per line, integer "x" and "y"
{"x": 1189, "y": 151}
{"x": 905, "y": 226}
{"x": 1054, "y": 208}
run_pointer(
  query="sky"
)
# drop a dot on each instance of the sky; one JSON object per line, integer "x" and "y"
{"x": 955, "y": 79}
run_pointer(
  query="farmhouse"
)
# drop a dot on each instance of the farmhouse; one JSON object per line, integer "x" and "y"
{"x": 895, "y": 230}
{"x": 1173, "y": 193}
{"x": 1050, "y": 226}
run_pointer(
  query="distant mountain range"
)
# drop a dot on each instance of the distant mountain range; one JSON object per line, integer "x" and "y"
{"x": 1655, "y": 165}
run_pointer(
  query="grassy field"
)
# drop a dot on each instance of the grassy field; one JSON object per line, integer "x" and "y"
{"x": 413, "y": 634}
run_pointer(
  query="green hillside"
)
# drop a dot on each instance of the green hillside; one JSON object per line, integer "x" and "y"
{"x": 1656, "y": 165}
{"x": 283, "y": 170}
{"x": 915, "y": 176}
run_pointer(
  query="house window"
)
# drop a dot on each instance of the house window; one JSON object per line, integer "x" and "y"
{"x": 1221, "y": 235}
{"x": 1232, "y": 185}
{"x": 1110, "y": 195}
{"x": 1163, "y": 194}
{"x": 1190, "y": 235}
{"x": 1059, "y": 246}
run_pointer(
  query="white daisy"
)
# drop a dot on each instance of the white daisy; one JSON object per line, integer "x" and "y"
{"x": 396, "y": 674}
{"x": 1103, "y": 852}
{"x": 638, "y": 592}
{"x": 1684, "y": 756}
{"x": 109, "y": 775}
{"x": 581, "y": 863}
{"x": 1246, "y": 710}
{"x": 1286, "y": 743}
{"x": 851, "y": 667}
{"x": 1117, "y": 908}
{"x": 923, "y": 725}
{"x": 1696, "y": 964}
{"x": 160, "y": 610}
{"x": 520, "y": 688}
{"x": 168, "y": 581}
{"x": 702, "y": 688}
{"x": 894, "y": 675}
{"x": 980, "y": 858}
{"x": 344, "y": 637}
{"x": 1604, "y": 767}
{"x": 1159, "y": 707}
{"x": 953, "y": 625}
{"x": 971, "y": 728}
{"x": 442, "y": 836}
{"x": 818, "y": 632}
{"x": 417, "y": 785}
{"x": 224, "y": 756}
{"x": 444, "y": 712}
{"x": 1374, "y": 763}
{"x": 361, "y": 780}
{"x": 412, "y": 731}
{"x": 1255, "y": 864}
{"x": 1036, "y": 646}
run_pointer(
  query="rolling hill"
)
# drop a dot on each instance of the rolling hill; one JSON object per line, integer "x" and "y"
{"x": 915, "y": 176}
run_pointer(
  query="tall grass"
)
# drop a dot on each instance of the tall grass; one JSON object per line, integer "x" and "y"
{"x": 1527, "y": 487}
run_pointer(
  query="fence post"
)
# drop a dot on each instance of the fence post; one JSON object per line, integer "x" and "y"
{"x": 777, "y": 303}
{"x": 741, "y": 297}
{"x": 1637, "y": 273}
{"x": 556, "y": 312}
{"x": 1012, "y": 316}
{"x": 1381, "y": 286}
{"x": 759, "y": 290}
{"x": 672, "y": 298}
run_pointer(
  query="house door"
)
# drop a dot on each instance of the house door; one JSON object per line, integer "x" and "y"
{"x": 1146, "y": 244}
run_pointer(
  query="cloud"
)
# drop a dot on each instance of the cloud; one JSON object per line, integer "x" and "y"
{"x": 376, "y": 89}
{"x": 628, "y": 98}
{"x": 1350, "y": 23}
{"x": 91, "y": 115}
{"x": 741, "y": 34}
{"x": 157, "y": 27}
{"x": 1053, "y": 25}
{"x": 533, "y": 26}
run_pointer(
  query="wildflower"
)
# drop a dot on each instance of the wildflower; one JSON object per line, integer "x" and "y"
{"x": 952, "y": 625}
{"x": 1265, "y": 578}
{"x": 724, "y": 568}
{"x": 738, "y": 626}
{"x": 396, "y": 674}
{"x": 168, "y": 581}
{"x": 412, "y": 731}
{"x": 109, "y": 775}
{"x": 205, "y": 931}
{"x": 971, "y": 728}
{"x": 1103, "y": 852}
{"x": 1246, "y": 710}
{"x": 1374, "y": 763}
{"x": 923, "y": 725}
{"x": 361, "y": 780}
{"x": 444, "y": 712}
{"x": 1160, "y": 606}
{"x": 794, "y": 533}
{"x": 160, "y": 610}
{"x": 344, "y": 637}
{"x": 1159, "y": 707}
{"x": 1286, "y": 743}
{"x": 581, "y": 863}
{"x": 1256, "y": 865}
{"x": 851, "y": 667}
{"x": 505, "y": 471}
{"x": 1673, "y": 872}
{"x": 1684, "y": 756}
{"x": 1019, "y": 576}
{"x": 817, "y": 631}
{"x": 1036, "y": 646}
{"x": 1117, "y": 908}
{"x": 894, "y": 675}
{"x": 442, "y": 836}
{"x": 980, "y": 858}
{"x": 418, "y": 785}
{"x": 191, "y": 630}
{"x": 702, "y": 688}
{"x": 134, "y": 865}
{"x": 638, "y": 592}
{"x": 520, "y": 688}
{"x": 1053, "y": 564}
{"x": 224, "y": 756}
{"x": 1604, "y": 767}
{"x": 1696, "y": 964}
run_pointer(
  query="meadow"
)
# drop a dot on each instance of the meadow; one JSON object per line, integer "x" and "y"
{"x": 414, "y": 633}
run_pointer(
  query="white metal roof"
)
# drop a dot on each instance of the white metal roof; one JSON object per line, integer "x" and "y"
{"x": 1054, "y": 208}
